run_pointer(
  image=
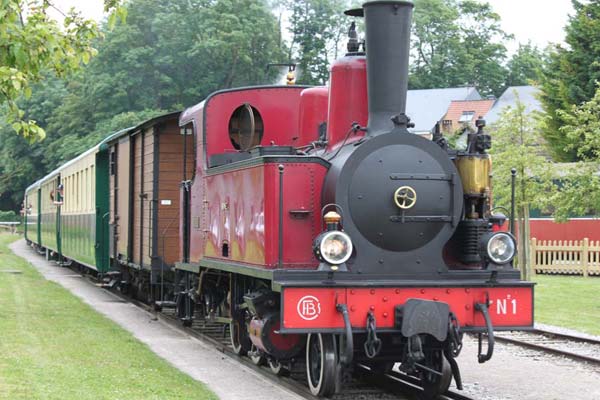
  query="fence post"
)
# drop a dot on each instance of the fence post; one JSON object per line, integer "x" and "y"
{"x": 533, "y": 245}
{"x": 585, "y": 256}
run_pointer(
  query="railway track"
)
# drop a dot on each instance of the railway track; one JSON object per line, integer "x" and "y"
{"x": 363, "y": 385}
{"x": 573, "y": 347}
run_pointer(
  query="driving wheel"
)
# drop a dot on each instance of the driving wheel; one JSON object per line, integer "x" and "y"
{"x": 321, "y": 364}
{"x": 436, "y": 384}
{"x": 240, "y": 342}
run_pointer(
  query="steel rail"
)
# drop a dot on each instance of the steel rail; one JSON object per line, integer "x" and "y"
{"x": 553, "y": 350}
{"x": 566, "y": 336}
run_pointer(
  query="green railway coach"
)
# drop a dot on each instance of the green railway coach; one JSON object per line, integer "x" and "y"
{"x": 72, "y": 210}
{"x": 49, "y": 212}
{"x": 31, "y": 208}
{"x": 82, "y": 209}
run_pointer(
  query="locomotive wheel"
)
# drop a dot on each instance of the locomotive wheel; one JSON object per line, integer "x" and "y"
{"x": 433, "y": 384}
{"x": 278, "y": 368}
{"x": 140, "y": 290}
{"x": 321, "y": 364}
{"x": 239, "y": 337}
{"x": 256, "y": 357}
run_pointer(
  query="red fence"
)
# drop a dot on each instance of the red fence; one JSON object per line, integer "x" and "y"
{"x": 574, "y": 229}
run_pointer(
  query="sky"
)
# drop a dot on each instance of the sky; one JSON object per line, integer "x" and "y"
{"x": 538, "y": 21}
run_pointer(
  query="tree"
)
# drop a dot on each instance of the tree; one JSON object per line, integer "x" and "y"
{"x": 240, "y": 38}
{"x": 71, "y": 145}
{"x": 317, "y": 28}
{"x": 570, "y": 76}
{"x": 21, "y": 162}
{"x": 168, "y": 55}
{"x": 580, "y": 191}
{"x": 153, "y": 63}
{"x": 32, "y": 43}
{"x": 455, "y": 43}
{"x": 525, "y": 66}
{"x": 516, "y": 144}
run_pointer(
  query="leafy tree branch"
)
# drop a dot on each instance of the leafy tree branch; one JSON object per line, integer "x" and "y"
{"x": 33, "y": 43}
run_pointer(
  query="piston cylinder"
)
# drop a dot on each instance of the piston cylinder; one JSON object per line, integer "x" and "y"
{"x": 264, "y": 334}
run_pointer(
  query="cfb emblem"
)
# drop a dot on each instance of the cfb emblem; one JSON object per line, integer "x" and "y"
{"x": 309, "y": 308}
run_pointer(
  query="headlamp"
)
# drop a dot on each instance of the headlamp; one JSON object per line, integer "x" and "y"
{"x": 499, "y": 247}
{"x": 333, "y": 247}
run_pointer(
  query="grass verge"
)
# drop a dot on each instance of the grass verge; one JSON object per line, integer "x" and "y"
{"x": 54, "y": 346}
{"x": 568, "y": 301}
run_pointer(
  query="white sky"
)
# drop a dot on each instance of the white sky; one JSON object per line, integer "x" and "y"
{"x": 540, "y": 21}
{"x": 89, "y": 8}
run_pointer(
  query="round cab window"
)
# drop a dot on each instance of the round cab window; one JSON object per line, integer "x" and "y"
{"x": 245, "y": 128}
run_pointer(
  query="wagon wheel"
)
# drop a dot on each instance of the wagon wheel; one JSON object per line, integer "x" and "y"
{"x": 240, "y": 342}
{"x": 278, "y": 368}
{"x": 434, "y": 384}
{"x": 321, "y": 364}
{"x": 256, "y": 356}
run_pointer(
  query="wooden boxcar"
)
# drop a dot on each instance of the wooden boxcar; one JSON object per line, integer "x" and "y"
{"x": 146, "y": 170}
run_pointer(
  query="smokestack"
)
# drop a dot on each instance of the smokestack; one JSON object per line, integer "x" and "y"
{"x": 387, "y": 25}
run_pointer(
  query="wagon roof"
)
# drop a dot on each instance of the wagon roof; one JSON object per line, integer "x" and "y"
{"x": 149, "y": 122}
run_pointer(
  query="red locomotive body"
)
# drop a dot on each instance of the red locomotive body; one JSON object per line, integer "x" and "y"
{"x": 315, "y": 221}
{"x": 509, "y": 307}
{"x": 235, "y": 197}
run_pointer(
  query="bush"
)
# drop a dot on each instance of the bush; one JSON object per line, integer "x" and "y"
{"x": 9, "y": 216}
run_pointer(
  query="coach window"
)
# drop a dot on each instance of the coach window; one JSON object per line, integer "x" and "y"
{"x": 189, "y": 150}
{"x": 84, "y": 190}
{"x": 113, "y": 162}
{"x": 93, "y": 190}
{"x": 67, "y": 195}
{"x": 88, "y": 188}
{"x": 77, "y": 191}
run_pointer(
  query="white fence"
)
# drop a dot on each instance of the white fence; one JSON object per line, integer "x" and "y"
{"x": 572, "y": 257}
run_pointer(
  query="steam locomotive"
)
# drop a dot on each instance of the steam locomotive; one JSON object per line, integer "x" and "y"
{"x": 307, "y": 219}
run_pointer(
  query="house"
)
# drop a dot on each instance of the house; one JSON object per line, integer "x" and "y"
{"x": 526, "y": 95}
{"x": 463, "y": 114}
{"x": 426, "y": 107}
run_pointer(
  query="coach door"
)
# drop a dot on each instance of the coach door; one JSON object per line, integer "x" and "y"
{"x": 122, "y": 178}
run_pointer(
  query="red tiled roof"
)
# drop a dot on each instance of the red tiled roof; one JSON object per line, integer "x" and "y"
{"x": 458, "y": 107}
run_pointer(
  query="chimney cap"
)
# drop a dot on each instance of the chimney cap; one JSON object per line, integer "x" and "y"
{"x": 360, "y": 12}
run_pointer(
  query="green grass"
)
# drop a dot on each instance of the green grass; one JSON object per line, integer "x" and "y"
{"x": 568, "y": 301}
{"x": 53, "y": 346}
